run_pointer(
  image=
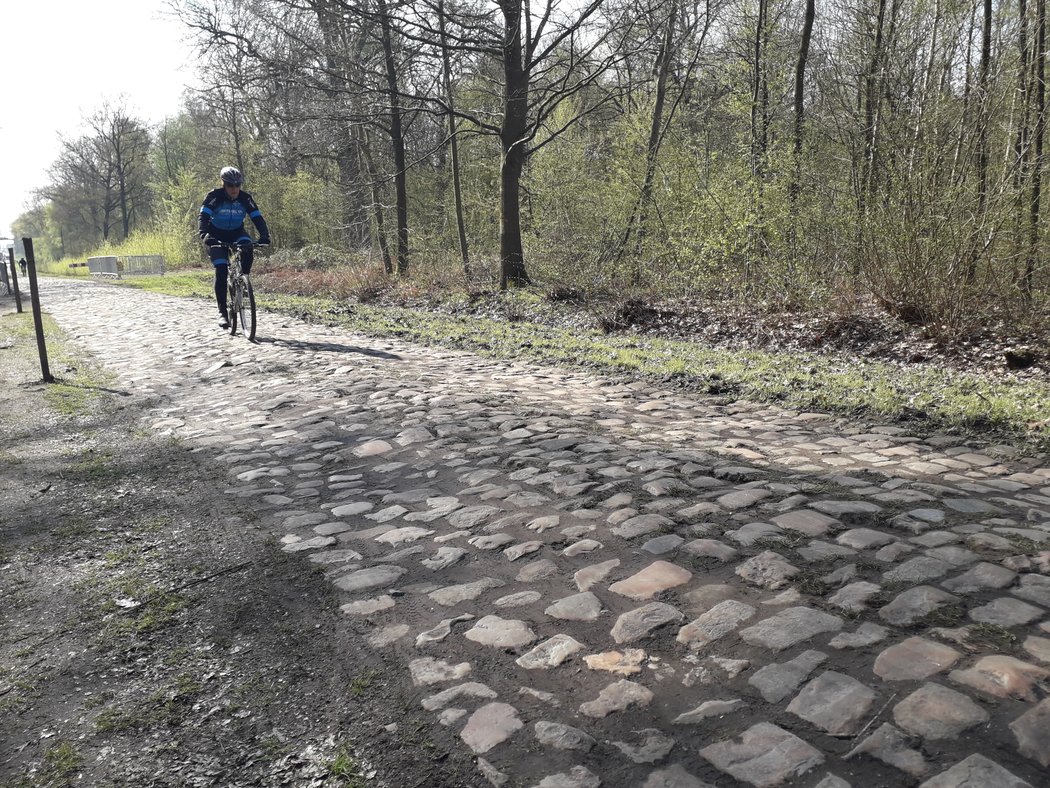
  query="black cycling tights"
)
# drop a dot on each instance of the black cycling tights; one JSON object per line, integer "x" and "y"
{"x": 221, "y": 273}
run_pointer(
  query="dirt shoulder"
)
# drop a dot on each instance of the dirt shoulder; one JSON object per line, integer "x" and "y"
{"x": 151, "y": 630}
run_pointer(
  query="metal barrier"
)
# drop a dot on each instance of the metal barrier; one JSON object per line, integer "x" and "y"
{"x": 103, "y": 266}
{"x": 142, "y": 264}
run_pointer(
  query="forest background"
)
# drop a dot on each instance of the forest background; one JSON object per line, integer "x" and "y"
{"x": 793, "y": 154}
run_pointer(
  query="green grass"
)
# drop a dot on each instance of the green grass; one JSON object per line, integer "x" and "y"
{"x": 61, "y": 762}
{"x": 344, "y": 768}
{"x": 78, "y": 381}
{"x": 933, "y": 398}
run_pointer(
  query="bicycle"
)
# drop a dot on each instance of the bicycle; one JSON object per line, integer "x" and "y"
{"x": 240, "y": 303}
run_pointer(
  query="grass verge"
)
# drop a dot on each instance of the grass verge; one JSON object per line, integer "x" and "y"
{"x": 931, "y": 398}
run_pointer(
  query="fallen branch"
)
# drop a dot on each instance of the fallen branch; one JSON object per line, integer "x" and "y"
{"x": 227, "y": 571}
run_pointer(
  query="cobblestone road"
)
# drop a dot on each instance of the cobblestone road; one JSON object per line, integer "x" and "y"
{"x": 594, "y": 583}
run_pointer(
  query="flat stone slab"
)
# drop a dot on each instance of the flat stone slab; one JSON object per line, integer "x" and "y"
{"x": 640, "y": 623}
{"x": 914, "y": 659}
{"x": 562, "y": 737}
{"x": 790, "y": 626}
{"x": 655, "y": 578}
{"x": 501, "y": 632}
{"x": 443, "y": 629}
{"x": 653, "y": 747}
{"x": 444, "y": 557}
{"x": 520, "y": 599}
{"x": 834, "y": 702}
{"x": 889, "y": 745}
{"x": 427, "y": 670}
{"x": 592, "y": 575}
{"x": 806, "y": 521}
{"x": 710, "y": 548}
{"x": 847, "y": 510}
{"x": 865, "y": 538}
{"x": 489, "y": 726}
{"x": 1038, "y": 647}
{"x": 936, "y": 712}
{"x": 372, "y": 577}
{"x": 867, "y": 634}
{"x": 617, "y": 697}
{"x": 1032, "y": 730}
{"x": 472, "y": 689}
{"x": 576, "y": 777}
{"x": 918, "y": 570}
{"x": 763, "y": 755}
{"x": 853, "y": 598}
{"x": 674, "y": 776}
{"x": 976, "y": 772}
{"x": 540, "y": 569}
{"x": 1007, "y": 612}
{"x": 410, "y": 533}
{"x": 776, "y": 681}
{"x": 454, "y": 595}
{"x": 643, "y": 525}
{"x": 914, "y": 604}
{"x": 550, "y": 653}
{"x": 979, "y": 577}
{"x": 626, "y": 662}
{"x": 350, "y": 509}
{"x": 1034, "y": 588}
{"x": 716, "y": 623}
{"x": 767, "y": 569}
{"x": 742, "y": 499}
{"x": 1003, "y": 676}
{"x": 584, "y": 606}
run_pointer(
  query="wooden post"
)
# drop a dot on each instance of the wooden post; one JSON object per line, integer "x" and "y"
{"x": 14, "y": 280}
{"x": 38, "y": 321}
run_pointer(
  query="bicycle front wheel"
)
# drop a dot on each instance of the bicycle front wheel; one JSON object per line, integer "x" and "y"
{"x": 246, "y": 309}
{"x": 234, "y": 305}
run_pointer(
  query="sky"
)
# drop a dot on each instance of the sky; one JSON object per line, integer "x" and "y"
{"x": 61, "y": 60}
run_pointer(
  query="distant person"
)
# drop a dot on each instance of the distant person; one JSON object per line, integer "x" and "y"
{"x": 23, "y": 265}
{"x": 221, "y": 226}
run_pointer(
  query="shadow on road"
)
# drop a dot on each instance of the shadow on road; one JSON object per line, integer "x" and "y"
{"x": 333, "y": 347}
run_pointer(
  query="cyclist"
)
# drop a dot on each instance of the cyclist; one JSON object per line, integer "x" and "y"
{"x": 221, "y": 226}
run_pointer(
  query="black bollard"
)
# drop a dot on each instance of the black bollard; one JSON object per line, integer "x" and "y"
{"x": 14, "y": 280}
{"x": 34, "y": 295}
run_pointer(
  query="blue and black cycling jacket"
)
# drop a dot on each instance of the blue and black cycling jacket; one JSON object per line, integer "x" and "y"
{"x": 222, "y": 217}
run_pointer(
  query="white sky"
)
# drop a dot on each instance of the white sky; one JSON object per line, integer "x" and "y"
{"x": 60, "y": 60}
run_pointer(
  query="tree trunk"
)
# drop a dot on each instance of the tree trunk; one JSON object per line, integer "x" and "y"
{"x": 453, "y": 142}
{"x": 397, "y": 140}
{"x": 639, "y": 215}
{"x": 377, "y": 204}
{"x": 1037, "y": 158}
{"x": 758, "y": 101}
{"x": 512, "y": 140}
{"x": 872, "y": 95}
{"x": 800, "y": 88}
{"x": 982, "y": 129}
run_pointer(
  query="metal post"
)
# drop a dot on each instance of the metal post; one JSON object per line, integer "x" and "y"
{"x": 14, "y": 279}
{"x": 38, "y": 321}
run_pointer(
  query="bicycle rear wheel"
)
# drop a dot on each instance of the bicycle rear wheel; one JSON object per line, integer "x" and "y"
{"x": 246, "y": 309}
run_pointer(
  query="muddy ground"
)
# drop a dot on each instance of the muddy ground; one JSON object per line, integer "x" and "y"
{"x": 152, "y": 633}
